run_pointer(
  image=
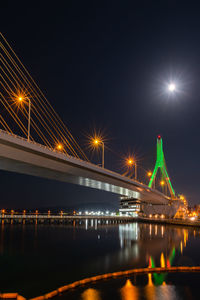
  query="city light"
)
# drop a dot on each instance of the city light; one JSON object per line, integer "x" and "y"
{"x": 162, "y": 183}
{"x": 149, "y": 174}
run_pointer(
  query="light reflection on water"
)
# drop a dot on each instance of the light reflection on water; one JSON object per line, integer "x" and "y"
{"x": 54, "y": 255}
{"x": 158, "y": 244}
{"x": 129, "y": 291}
{"x": 91, "y": 294}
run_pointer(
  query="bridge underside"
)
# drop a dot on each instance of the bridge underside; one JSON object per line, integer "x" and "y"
{"x": 18, "y": 155}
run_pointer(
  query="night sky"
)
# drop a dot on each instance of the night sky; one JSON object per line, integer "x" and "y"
{"x": 105, "y": 65}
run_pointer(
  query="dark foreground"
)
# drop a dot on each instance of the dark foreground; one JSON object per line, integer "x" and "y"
{"x": 139, "y": 287}
{"x": 36, "y": 259}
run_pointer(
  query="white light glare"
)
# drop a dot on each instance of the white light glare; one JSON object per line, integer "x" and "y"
{"x": 171, "y": 87}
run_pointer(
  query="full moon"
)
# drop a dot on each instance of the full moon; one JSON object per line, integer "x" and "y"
{"x": 171, "y": 87}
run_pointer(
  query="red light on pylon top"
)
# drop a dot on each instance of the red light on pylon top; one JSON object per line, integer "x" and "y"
{"x": 159, "y": 136}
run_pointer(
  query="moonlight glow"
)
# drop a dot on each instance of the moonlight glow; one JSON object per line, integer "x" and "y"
{"x": 172, "y": 87}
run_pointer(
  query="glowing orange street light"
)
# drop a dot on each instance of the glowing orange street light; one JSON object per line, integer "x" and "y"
{"x": 129, "y": 161}
{"x": 162, "y": 183}
{"x": 22, "y": 99}
{"x": 60, "y": 147}
{"x": 132, "y": 162}
{"x": 97, "y": 142}
{"x": 149, "y": 174}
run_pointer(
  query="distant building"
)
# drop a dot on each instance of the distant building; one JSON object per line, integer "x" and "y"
{"x": 134, "y": 207}
{"x": 129, "y": 206}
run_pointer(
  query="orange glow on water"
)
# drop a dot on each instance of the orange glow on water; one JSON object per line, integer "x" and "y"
{"x": 129, "y": 291}
{"x": 162, "y": 260}
{"x": 91, "y": 294}
{"x": 181, "y": 247}
{"x": 150, "y": 282}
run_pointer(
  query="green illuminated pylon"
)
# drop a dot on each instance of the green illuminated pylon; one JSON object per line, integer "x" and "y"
{"x": 160, "y": 163}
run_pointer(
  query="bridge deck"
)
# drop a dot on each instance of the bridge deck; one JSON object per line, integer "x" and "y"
{"x": 19, "y": 155}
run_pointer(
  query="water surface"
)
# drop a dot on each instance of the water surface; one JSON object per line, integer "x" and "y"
{"x": 35, "y": 259}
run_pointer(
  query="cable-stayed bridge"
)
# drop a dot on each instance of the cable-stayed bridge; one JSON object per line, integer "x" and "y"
{"x": 25, "y": 111}
{"x": 19, "y": 155}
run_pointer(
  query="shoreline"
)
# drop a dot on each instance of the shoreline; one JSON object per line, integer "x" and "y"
{"x": 57, "y": 219}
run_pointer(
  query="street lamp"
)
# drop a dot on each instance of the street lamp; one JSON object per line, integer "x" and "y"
{"x": 149, "y": 174}
{"x": 59, "y": 147}
{"x": 22, "y": 99}
{"x": 97, "y": 142}
{"x": 163, "y": 186}
{"x": 132, "y": 162}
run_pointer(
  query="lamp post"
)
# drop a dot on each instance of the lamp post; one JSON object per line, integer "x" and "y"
{"x": 97, "y": 142}
{"x": 149, "y": 173}
{"x": 132, "y": 162}
{"x": 164, "y": 187}
{"x": 21, "y": 99}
